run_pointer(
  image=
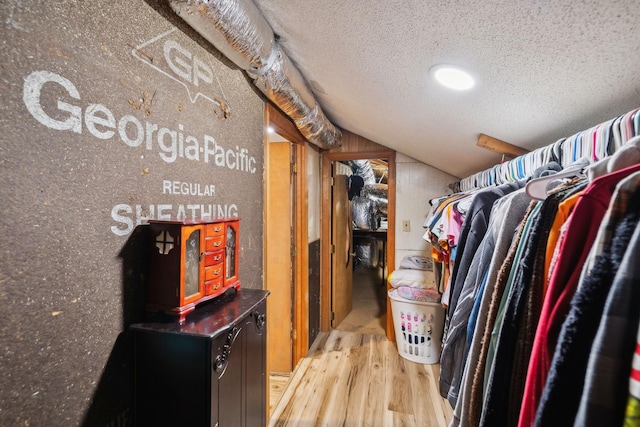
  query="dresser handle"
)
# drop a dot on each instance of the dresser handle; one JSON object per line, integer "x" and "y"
{"x": 260, "y": 319}
{"x": 222, "y": 360}
{"x": 220, "y": 363}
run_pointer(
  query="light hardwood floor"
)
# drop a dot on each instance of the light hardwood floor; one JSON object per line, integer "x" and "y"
{"x": 369, "y": 309}
{"x": 351, "y": 378}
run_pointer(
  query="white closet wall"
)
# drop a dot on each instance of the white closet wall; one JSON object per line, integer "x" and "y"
{"x": 416, "y": 184}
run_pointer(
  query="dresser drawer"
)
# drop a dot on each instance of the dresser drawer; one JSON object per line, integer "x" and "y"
{"x": 213, "y": 286}
{"x": 213, "y": 272}
{"x": 213, "y": 244}
{"x": 213, "y": 258}
{"x": 214, "y": 230}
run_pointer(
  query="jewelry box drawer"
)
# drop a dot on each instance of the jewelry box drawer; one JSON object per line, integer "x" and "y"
{"x": 214, "y": 230}
{"x": 213, "y": 244}
{"x": 213, "y": 272}
{"x": 213, "y": 258}
{"x": 213, "y": 286}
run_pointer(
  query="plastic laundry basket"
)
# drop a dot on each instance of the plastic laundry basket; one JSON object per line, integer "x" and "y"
{"x": 418, "y": 326}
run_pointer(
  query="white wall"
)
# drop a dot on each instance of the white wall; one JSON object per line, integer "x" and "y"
{"x": 416, "y": 184}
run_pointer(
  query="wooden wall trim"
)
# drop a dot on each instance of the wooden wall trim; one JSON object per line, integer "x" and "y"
{"x": 283, "y": 126}
{"x": 325, "y": 244}
{"x": 391, "y": 236}
{"x": 301, "y": 261}
{"x": 300, "y": 292}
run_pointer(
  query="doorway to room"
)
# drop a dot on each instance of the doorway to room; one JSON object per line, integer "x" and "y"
{"x": 288, "y": 170}
{"x": 369, "y": 179}
{"x": 367, "y": 188}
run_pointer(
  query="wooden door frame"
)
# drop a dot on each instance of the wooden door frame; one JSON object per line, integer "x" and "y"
{"x": 300, "y": 303}
{"x": 325, "y": 243}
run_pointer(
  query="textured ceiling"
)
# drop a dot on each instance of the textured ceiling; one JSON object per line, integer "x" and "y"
{"x": 544, "y": 70}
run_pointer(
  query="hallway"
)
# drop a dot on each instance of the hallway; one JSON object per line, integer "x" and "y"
{"x": 354, "y": 376}
{"x": 369, "y": 312}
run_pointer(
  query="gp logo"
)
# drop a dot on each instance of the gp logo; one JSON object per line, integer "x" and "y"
{"x": 190, "y": 70}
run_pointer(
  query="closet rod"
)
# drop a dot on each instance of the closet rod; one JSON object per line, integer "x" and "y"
{"x": 593, "y": 144}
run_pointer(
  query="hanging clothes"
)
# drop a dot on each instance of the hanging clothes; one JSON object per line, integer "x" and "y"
{"x": 454, "y": 342}
{"x": 581, "y": 232}
{"x": 443, "y": 226}
{"x": 503, "y": 280}
{"x": 559, "y": 400}
{"x": 500, "y": 304}
{"x": 632, "y": 414}
{"x": 534, "y": 297}
{"x": 604, "y": 396}
{"x": 514, "y": 336}
{"x": 508, "y": 216}
{"x": 471, "y": 234}
{"x": 564, "y": 210}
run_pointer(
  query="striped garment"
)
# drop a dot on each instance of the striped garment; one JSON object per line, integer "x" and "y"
{"x": 632, "y": 418}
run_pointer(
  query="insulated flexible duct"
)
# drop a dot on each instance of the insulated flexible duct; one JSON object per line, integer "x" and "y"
{"x": 379, "y": 194}
{"x": 239, "y": 31}
{"x": 364, "y": 169}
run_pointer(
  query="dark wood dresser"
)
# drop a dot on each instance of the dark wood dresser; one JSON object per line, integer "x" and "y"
{"x": 209, "y": 370}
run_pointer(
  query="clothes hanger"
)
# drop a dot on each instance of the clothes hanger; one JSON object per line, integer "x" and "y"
{"x": 602, "y": 144}
{"x": 617, "y": 138}
{"x": 579, "y": 152}
{"x": 586, "y": 145}
{"x": 594, "y": 137}
{"x": 627, "y": 127}
{"x": 566, "y": 152}
{"x": 597, "y": 141}
{"x": 542, "y": 158}
{"x": 538, "y": 188}
{"x": 507, "y": 168}
{"x": 545, "y": 155}
{"x": 520, "y": 171}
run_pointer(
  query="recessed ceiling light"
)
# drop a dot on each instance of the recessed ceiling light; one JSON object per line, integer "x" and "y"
{"x": 452, "y": 77}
